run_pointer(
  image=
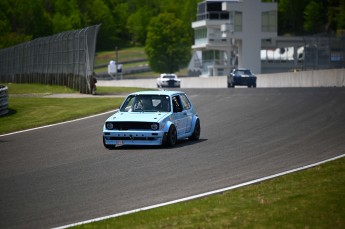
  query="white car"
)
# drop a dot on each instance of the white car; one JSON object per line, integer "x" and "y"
{"x": 168, "y": 80}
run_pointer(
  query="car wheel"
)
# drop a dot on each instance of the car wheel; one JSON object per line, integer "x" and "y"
{"x": 108, "y": 146}
{"x": 172, "y": 136}
{"x": 196, "y": 133}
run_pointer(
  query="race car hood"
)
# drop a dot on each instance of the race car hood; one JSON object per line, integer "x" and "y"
{"x": 138, "y": 117}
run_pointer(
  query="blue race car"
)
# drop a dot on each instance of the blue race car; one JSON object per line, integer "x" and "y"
{"x": 152, "y": 118}
{"x": 241, "y": 77}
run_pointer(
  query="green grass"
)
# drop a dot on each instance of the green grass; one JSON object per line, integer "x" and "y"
{"x": 119, "y": 90}
{"x": 38, "y": 89}
{"x": 127, "y": 54}
{"x": 29, "y": 112}
{"x": 314, "y": 198}
{"x": 28, "y": 108}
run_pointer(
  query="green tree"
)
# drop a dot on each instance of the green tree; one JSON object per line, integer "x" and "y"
{"x": 28, "y": 17}
{"x": 137, "y": 25}
{"x": 341, "y": 16}
{"x": 97, "y": 12}
{"x": 66, "y": 16}
{"x": 291, "y": 17}
{"x": 168, "y": 45}
{"x": 314, "y": 20}
{"x": 120, "y": 13}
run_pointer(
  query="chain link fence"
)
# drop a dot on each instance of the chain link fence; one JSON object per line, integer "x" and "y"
{"x": 64, "y": 59}
{"x": 324, "y": 52}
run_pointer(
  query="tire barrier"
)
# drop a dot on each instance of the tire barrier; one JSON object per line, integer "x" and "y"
{"x": 3, "y": 100}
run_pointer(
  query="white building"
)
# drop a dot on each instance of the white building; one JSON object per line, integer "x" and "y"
{"x": 229, "y": 34}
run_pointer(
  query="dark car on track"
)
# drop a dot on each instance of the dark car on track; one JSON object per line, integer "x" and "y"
{"x": 241, "y": 77}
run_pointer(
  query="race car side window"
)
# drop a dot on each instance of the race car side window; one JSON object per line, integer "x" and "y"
{"x": 185, "y": 102}
{"x": 177, "y": 106}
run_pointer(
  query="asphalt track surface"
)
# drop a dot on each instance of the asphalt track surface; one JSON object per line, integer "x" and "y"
{"x": 62, "y": 174}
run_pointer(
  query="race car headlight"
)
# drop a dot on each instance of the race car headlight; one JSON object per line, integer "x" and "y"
{"x": 154, "y": 126}
{"x": 109, "y": 125}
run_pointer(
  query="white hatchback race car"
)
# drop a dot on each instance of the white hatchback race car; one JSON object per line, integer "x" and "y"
{"x": 168, "y": 80}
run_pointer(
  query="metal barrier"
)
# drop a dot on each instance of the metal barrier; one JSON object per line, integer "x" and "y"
{"x": 63, "y": 59}
{"x": 3, "y": 100}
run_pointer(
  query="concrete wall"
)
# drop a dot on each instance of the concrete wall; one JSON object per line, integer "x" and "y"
{"x": 186, "y": 82}
{"x": 319, "y": 78}
{"x": 204, "y": 82}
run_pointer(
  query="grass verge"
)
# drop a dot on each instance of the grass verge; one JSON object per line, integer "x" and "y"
{"x": 314, "y": 198}
{"x": 127, "y": 54}
{"x": 28, "y": 108}
{"x": 29, "y": 112}
{"x": 37, "y": 89}
{"x": 118, "y": 90}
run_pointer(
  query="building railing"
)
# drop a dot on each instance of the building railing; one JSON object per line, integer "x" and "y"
{"x": 213, "y": 16}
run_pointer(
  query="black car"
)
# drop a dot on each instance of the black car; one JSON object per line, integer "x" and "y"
{"x": 241, "y": 77}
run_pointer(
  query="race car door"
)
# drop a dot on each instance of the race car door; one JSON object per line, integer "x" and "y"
{"x": 180, "y": 115}
{"x": 187, "y": 110}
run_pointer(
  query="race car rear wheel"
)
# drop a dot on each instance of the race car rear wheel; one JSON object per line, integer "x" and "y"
{"x": 196, "y": 132}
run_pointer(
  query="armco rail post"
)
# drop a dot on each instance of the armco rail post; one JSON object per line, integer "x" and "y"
{"x": 3, "y": 100}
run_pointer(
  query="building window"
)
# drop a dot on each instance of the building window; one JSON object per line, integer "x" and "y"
{"x": 211, "y": 55}
{"x": 200, "y": 36}
{"x": 200, "y": 33}
{"x": 238, "y": 21}
{"x": 211, "y": 11}
{"x": 269, "y": 21}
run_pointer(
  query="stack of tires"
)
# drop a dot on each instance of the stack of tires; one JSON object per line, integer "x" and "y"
{"x": 3, "y": 100}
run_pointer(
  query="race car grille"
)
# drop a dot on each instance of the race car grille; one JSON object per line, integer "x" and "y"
{"x": 132, "y": 125}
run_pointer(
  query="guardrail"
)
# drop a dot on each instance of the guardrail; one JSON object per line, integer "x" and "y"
{"x": 3, "y": 100}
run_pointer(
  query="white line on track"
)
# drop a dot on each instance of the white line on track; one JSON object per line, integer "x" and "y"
{"x": 201, "y": 195}
{"x": 56, "y": 124}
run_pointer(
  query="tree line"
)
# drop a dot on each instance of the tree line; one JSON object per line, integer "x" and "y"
{"x": 125, "y": 22}
{"x": 307, "y": 17}
{"x": 162, "y": 26}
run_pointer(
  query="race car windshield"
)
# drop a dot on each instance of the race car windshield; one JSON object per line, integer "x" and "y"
{"x": 243, "y": 72}
{"x": 146, "y": 103}
{"x": 169, "y": 77}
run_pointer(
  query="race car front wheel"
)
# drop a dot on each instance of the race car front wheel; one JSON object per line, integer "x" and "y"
{"x": 172, "y": 136}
